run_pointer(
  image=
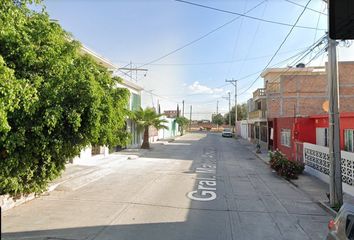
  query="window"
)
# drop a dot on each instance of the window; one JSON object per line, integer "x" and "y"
{"x": 264, "y": 131}
{"x": 256, "y": 128}
{"x": 285, "y": 137}
{"x": 348, "y": 140}
{"x": 322, "y": 136}
{"x": 135, "y": 102}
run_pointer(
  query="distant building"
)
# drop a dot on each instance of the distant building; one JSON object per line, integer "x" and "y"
{"x": 172, "y": 113}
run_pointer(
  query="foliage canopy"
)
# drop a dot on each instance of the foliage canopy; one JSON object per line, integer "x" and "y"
{"x": 182, "y": 123}
{"x": 146, "y": 118}
{"x": 241, "y": 114}
{"x": 218, "y": 119}
{"x": 54, "y": 101}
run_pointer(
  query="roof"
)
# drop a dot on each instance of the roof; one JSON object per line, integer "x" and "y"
{"x": 295, "y": 70}
{"x": 98, "y": 58}
{"x": 108, "y": 64}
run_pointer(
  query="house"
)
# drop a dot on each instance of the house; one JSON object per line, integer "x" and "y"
{"x": 315, "y": 150}
{"x": 134, "y": 104}
{"x": 171, "y": 132}
{"x": 294, "y": 108}
{"x": 97, "y": 152}
{"x": 294, "y": 97}
{"x": 257, "y": 118}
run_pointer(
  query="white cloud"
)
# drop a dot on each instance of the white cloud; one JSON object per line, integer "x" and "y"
{"x": 196, "y": 87}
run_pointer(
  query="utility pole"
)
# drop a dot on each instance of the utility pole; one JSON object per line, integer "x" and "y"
{"x": 335, "y": 172}
{"x": 217, "y": 113}
{"x": 130, "y": 70}
{"x": 183, "y": 108}
{"x": 229, "y": 97}
{"x": 234, "y": 82}
{"x": 190, "y": 118}
{"x": 230, "y": 110}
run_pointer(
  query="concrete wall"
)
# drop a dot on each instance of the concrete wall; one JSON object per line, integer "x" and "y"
{"x": 317, "y": 164}
{"x": 172, "y": 130}
{"x": 86, "y": 155}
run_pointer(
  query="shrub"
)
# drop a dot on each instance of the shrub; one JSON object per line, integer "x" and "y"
{"x": 284, "y": 167}
{"x": 53, "y": 100}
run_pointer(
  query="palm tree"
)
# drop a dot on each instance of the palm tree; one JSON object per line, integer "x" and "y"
{"x": 182, "y": 123}
{"x": 145, "y": 119}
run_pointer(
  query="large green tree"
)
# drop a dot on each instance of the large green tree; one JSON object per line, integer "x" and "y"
{"x": 218, "y": 119}
{"x": 53, "y": 100}
{"x": 146, "y": 118}
{"x": 242, "y": 113}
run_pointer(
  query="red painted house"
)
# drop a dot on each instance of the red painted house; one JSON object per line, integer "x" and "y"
{"x": 289, "y": 133}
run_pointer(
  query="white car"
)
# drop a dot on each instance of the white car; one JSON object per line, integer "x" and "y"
{"x": 226, "y": 132}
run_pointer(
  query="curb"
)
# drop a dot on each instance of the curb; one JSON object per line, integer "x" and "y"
{"x": 294, "y": 184}
{"x": 321, "y": 204}
{"x": 265, "y": 162}
{"x": 7, "y": 202}
{"x": 327, "y": 208}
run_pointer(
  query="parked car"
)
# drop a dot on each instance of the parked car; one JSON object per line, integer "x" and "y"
{"x": 342, "y": 227}
{"x": 226, "y": 132}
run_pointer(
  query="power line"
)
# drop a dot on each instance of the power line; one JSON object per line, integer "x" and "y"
{"x": 236, "y": 43}
{"x": 286, "y": 69}
{"x": 218, "y": 62}
{"x": 200, "y": 38}
{"x": 323, "y": 50}
{"x": 300, "y": 5}
{"x": 252, "y": 42}
{"x": 244, "y": 15}
{"x": 241, "y": 78}
{"x": 280, "y": 46}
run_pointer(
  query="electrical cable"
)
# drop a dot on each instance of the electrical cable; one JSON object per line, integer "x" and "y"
{"x": 236, "y": 43}
{"x": 200, "y": 38}
{"x": 280, "y": 46}
{"x": 252, "y": 42}
{"x": 311, "y": 9}
{"x": 244, "y": 15}
{"x": 217, "y": 62}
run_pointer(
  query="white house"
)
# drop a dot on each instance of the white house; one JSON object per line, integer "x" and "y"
{"x": 97, "y": 152}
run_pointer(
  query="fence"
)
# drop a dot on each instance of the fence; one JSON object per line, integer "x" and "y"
{"x": 316, "y": 158}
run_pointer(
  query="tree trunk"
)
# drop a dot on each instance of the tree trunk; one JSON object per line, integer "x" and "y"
{"x": 146, "y": 144}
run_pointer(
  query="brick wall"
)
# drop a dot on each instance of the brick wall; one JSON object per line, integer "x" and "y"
{"x": 304, "y": 93}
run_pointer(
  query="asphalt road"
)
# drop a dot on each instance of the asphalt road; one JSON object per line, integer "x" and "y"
{"x": 201, "y": 186}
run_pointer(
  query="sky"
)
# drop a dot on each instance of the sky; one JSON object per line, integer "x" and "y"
{"x": 189, "y": 51}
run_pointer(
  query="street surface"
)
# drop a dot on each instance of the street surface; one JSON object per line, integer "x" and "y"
{"x": 201, "y": 186}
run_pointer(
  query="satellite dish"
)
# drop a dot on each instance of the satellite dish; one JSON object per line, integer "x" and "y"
{"x": 325, "y": 106}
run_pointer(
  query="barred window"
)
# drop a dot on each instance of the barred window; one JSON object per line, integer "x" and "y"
{"x": 285, "y": 137}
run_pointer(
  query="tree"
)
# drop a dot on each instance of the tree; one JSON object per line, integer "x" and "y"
{"x": 218, "y": 119}
{"x": 145, "y": 119}
{"x": 53, "y": 101}
{"x": 182, "y": 123}
{"x": 242, "y": 113}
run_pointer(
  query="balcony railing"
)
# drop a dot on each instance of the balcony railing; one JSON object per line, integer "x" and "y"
{"x": 260, "y": 92}
{"x": 257, "y": 114}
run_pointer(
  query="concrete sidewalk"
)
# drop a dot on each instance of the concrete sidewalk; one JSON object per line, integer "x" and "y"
{"x": 75, "y": 176}
{"x": 313, "y": 187}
